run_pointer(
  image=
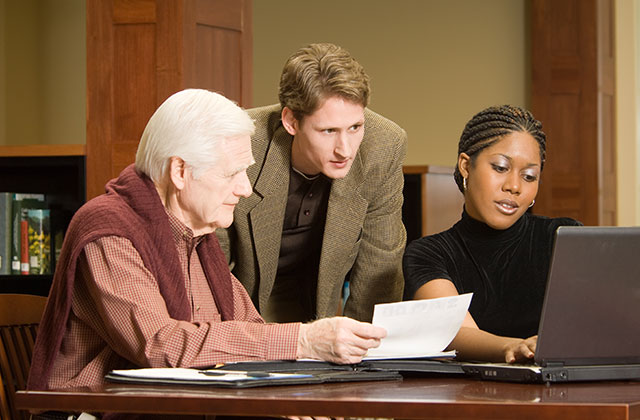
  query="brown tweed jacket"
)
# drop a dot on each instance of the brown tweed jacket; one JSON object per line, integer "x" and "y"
{"x": 363, "y": 234}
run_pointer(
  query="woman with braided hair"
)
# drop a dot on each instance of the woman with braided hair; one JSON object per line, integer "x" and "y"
{"x": 497, "y": 250}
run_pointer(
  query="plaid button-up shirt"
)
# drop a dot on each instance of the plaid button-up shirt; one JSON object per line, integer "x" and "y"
{"x": 117, "y": 310}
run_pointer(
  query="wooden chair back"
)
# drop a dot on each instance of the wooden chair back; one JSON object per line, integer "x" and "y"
{"x": 19, "y": 319}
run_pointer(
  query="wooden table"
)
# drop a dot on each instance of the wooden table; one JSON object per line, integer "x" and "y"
{"x": 426, "y": 398}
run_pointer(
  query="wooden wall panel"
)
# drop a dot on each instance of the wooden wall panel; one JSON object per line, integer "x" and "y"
{"x": 99, "y": 94}
{"x": 140, "y": 52}
{"x": 568, "y": 48}
{"x": 134, "y": 11}
{"x": 171, "y": 46}
{"x": 228, "y": 14}
{"x": 220, "y": 69}
{"x": 230, "y": 67}
{"x": 134, "y": 81}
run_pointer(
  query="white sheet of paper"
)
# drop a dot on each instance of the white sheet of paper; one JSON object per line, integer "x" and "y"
{"x": 418, "y": 328}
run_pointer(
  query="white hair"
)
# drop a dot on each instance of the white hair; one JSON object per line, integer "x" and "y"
{"x": 190, "y": 125}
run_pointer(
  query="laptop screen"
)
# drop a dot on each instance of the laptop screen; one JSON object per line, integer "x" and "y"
{"x": 591, "y": 311}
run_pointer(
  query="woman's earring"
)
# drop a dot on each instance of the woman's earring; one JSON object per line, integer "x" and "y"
{"x": 464, "y": 184}
{"x": 532, "y": 203}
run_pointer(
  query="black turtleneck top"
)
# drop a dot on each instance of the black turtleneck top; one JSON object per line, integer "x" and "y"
{"x": 505, "y": 269}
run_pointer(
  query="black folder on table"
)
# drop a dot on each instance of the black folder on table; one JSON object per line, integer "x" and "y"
{"x": 290, "y": 372}
{"x": 360, "y": 371}
{"x": 590, "y": 324}
{"x": 252, "y": 374}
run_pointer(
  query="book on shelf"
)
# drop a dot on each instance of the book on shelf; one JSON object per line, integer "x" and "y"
{"x": 20, "y": 205}
{"x": 5, "y": 232}
{"x": 39, "y": 241}
{"x": 24, "y": 247}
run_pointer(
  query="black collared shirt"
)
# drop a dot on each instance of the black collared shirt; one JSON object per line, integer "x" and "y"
{"x": 293, "y": 297}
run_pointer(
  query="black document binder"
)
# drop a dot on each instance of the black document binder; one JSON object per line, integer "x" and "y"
{"x": 363, "y": 369}
{"x": 254, "y": 375}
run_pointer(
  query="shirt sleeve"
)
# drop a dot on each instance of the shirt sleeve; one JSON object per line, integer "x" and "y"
{"x": 120, "y": 299}
{"x": 423, "y": 261}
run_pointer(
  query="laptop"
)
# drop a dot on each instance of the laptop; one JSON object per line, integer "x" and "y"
{"x": 590, "y": 324}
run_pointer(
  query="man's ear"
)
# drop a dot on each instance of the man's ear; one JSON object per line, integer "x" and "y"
{"x": 178, "y": 172}
{"x": 464, "y": 163}
{"x": 289, "y": 121}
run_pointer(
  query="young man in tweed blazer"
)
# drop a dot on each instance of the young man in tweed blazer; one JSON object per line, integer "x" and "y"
{"x": 327, "y": 196}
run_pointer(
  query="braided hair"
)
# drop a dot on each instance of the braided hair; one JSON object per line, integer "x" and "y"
{"x": 490, "y": 125}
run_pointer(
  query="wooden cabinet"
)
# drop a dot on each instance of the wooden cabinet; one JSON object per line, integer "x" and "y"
{"x": 55, "y": 170}
{"x": 432, "y": 201}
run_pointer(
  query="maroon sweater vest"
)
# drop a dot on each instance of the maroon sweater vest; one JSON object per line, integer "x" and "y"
{"x": 131, "y": 209}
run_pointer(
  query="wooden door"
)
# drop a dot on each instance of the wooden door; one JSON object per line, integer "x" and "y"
{"x": 139, "y": 52}
{"x": 573, "y": 94}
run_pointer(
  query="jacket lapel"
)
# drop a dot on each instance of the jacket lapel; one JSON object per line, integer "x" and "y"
{"x": 270, "y": 194}
{"x": 345, "y": 215}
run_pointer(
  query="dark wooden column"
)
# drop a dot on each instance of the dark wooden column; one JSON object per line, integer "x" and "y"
{"x": 573, "y": 94}
{"x": 140, "y": 52}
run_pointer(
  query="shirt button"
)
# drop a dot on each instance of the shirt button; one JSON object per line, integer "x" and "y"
{"x": 198, "y": 308}
{"x": 310, "y": 195}
{"x": 307, "y": 212}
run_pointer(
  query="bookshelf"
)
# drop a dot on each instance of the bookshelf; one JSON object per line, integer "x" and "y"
{"x": 59, "y": 171}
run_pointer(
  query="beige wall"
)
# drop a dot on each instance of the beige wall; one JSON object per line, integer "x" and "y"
{"x": 627, "y": 111}
{"x": 63, "y": 54}
{"x": 43, "y": 71}
{"x": 433, "y": 64}
{"x": 635, "y": 135}
{"x": 21, "y": 72}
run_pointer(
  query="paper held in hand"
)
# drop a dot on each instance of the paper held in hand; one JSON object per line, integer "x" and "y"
{"x": 419, "y": 328}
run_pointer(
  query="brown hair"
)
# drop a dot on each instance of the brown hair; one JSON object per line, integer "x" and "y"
{"x": 318, "y": 71}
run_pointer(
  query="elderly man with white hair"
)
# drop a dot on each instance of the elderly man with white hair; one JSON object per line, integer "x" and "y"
{"x": 142, "y": 281}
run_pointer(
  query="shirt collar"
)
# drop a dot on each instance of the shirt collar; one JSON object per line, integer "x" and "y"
{"x": 180, "y": 231}
{"x": 481, "y": 231}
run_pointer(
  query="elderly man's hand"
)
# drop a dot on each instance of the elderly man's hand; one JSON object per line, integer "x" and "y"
{"x": 338, "y": 339}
